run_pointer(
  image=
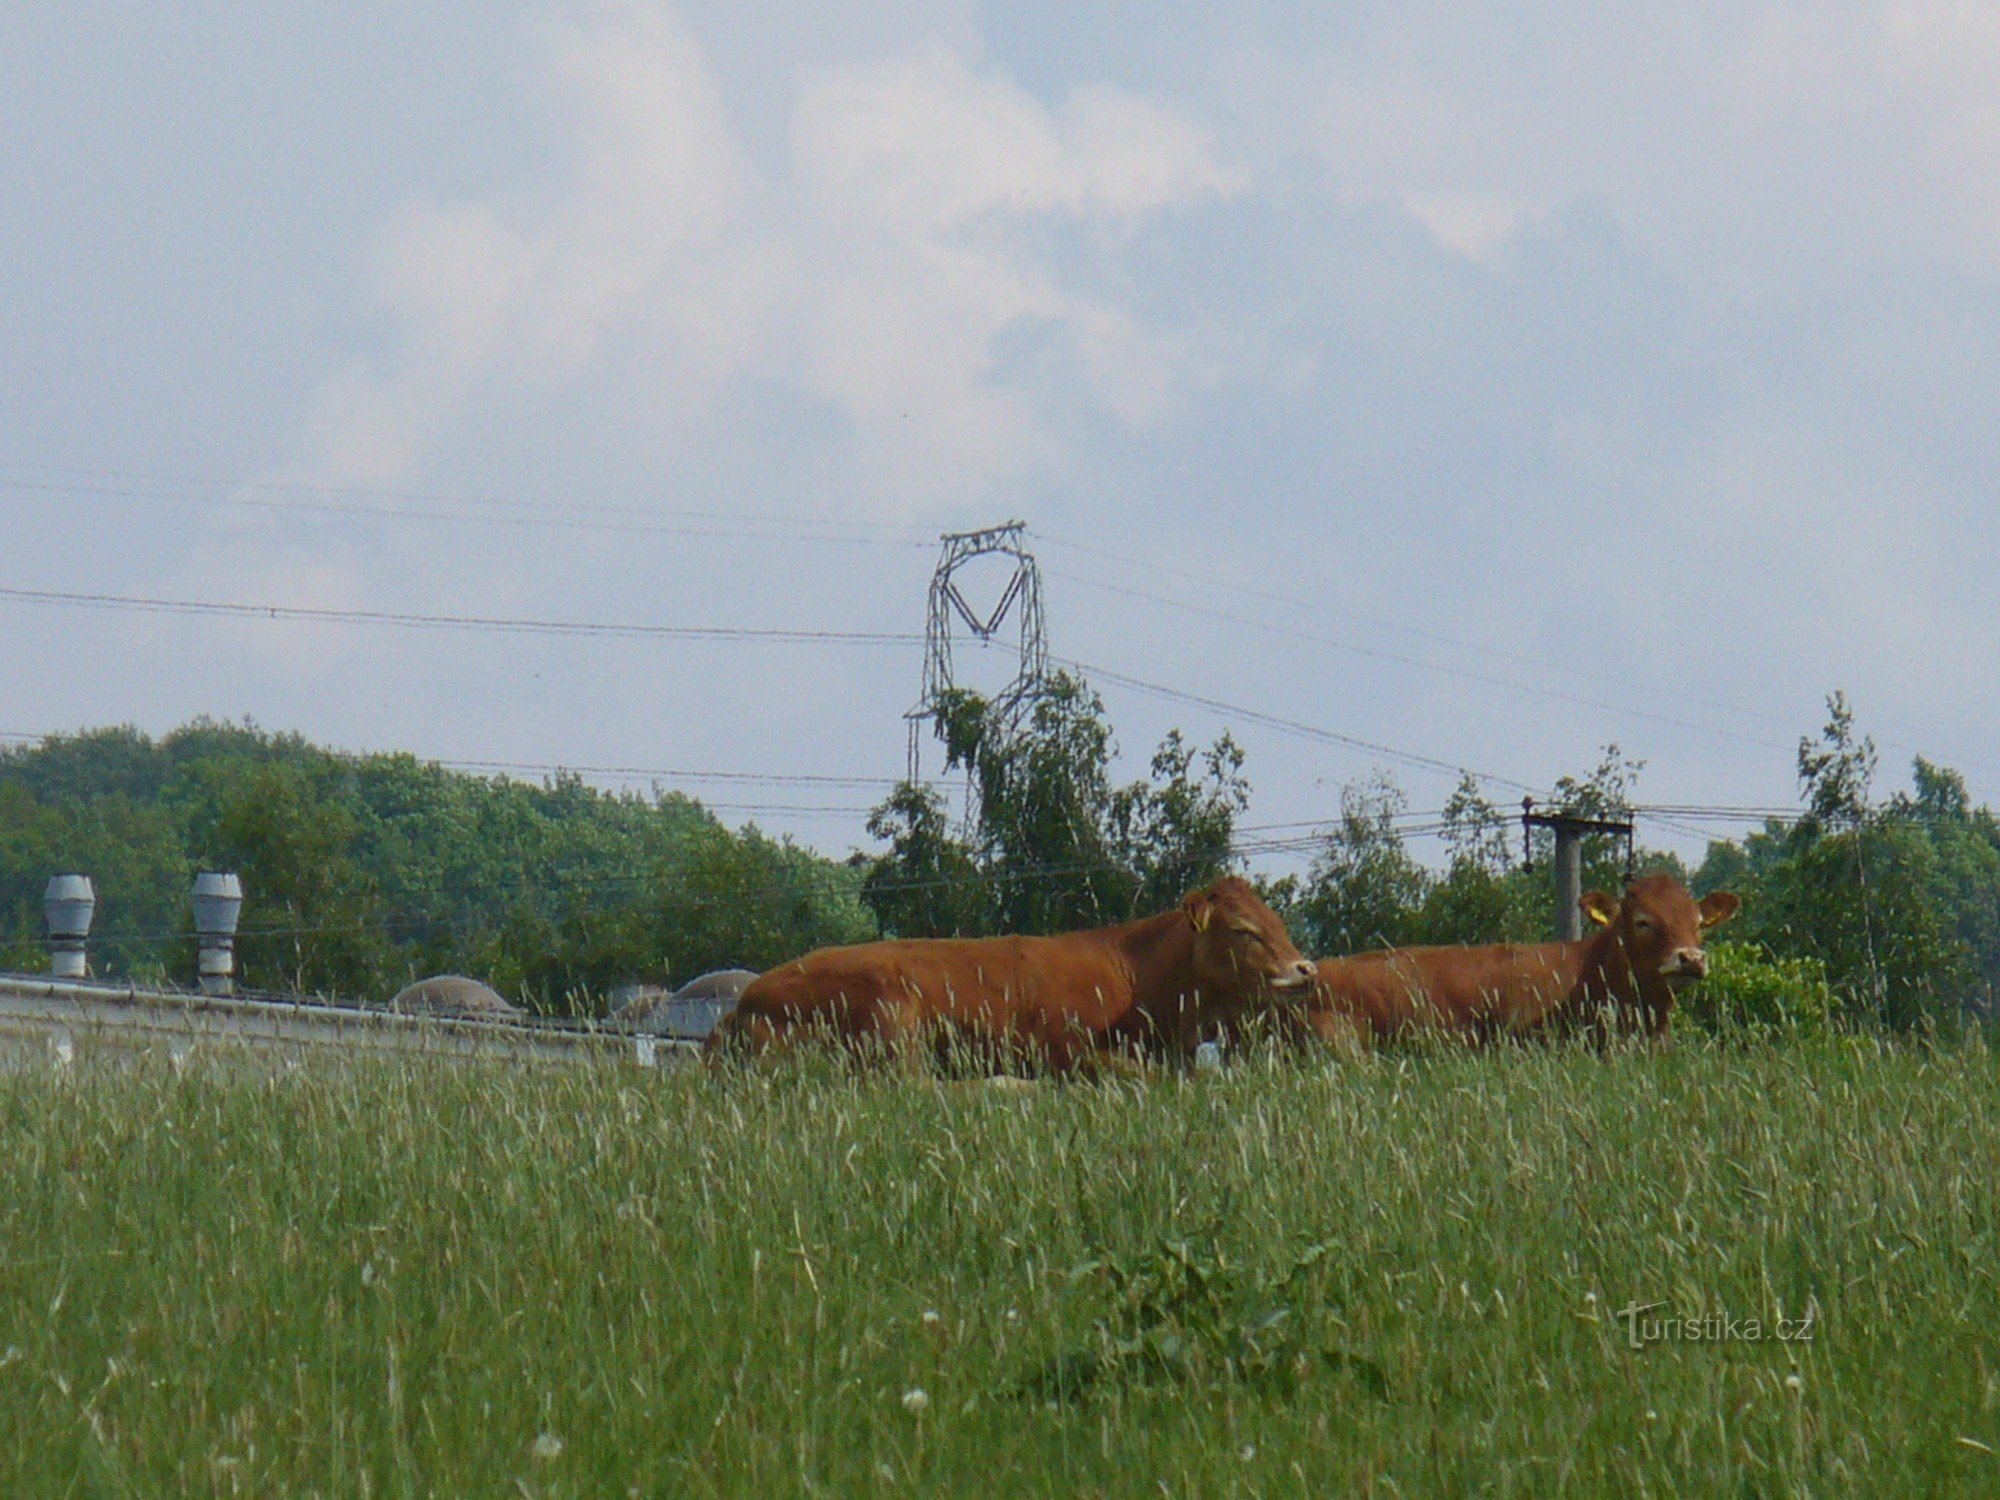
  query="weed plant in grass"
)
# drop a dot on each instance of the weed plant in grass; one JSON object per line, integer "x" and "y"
{"x": 1401, "y": 1274}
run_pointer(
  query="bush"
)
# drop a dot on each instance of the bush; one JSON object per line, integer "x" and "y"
{"x": 1748, "y": 989}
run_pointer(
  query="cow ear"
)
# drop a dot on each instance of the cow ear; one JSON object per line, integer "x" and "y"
{"x": 1197, "y": 906}
{"x": 1599, "y": 907}
{"x": 1718, "y": 907}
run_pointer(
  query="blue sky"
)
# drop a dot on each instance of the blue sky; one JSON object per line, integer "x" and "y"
{"x": 1483, "y": 382}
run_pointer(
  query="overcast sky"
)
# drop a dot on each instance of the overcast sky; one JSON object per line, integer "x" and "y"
{"x": 1483, "y": 382}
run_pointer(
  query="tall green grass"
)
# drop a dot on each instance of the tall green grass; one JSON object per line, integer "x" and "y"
{"x": 1396, "y": 1276}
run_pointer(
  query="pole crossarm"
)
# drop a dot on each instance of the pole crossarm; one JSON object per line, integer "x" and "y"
{"x": 1566, "y": 823}
{"x": 1570, "y": 830}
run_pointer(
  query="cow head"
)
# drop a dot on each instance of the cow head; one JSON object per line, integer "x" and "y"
{"x": 1240, "y": 947}
{"x": 1659, "y": 926}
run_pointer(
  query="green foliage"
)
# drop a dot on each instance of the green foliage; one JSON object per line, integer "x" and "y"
{"x": 1473, "y": 904}
{"x": 1052, "y": 845}
{"x": 1865, "y": 903}
{"x": 1174, "y": 833}
{"x": 1836, "y": 772}
{"x": 1899, "y": 903}
{"x": 1605, "y": 793}
{"x": 1044, "y": 795}
{"x": 928, "y": 884}
{"x": 1366, "y": 891}
{"x": 361, "y": 872}
{"x": 1186, "y": 1313}
{"x": 1364, "y": 888}
{"x": 294, "y": 841}
{"x": 1751, "y": 993}
{"x": 750, "y": 901}
{"x": 1482, "y": 896}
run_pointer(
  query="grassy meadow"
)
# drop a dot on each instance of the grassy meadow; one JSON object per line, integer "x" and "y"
{"x": 1399, "y": 1276}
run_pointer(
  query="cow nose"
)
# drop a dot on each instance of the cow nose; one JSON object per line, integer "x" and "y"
{"x": 1686, "y": 963}
{"x": 1300, "y": 973}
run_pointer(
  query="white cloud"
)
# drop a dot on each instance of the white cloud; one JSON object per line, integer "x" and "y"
{"x": 876, "y": 272}
{"x": 1475, "y": 225}
{"x": 1746, "y": 144}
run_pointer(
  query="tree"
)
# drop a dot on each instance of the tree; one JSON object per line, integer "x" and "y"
{"x": 1364, "y": 889}
{"x": 1966, "y": 843}
{"x": 928, "y": 884}
{"x": 1900, "y": 905}
{"x": 1836, "y": 773}
{"x": 1043, "y": 794}
{"x": 1474, "y": 830}
{"x": 1176, "y": 833}
{"x": 312, "y": 923}
{"x": 1865, "y": 903}
{"x": 1483, "y": 897}
{"x": 1605, "y": 793}
{"x": 1052, "y": 845}
{"x": 363, "y": 871}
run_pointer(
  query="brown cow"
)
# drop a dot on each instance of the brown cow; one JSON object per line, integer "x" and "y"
{"x": 1150, "y": 987}
{"x": 1621, "y": 978}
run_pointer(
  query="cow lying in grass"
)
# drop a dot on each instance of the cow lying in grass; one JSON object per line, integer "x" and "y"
{"x": 1150, "y": 988}
{"x": 1620, "y": 979}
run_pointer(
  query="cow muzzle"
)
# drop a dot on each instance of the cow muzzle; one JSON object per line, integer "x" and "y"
{"x": 1295, "y": 981}
{"x": 1686, "y": 966}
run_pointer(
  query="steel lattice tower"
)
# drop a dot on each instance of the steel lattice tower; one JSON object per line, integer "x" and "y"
{"x": 1021, "y": 598}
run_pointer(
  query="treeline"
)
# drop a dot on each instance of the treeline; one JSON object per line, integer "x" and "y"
{"x": 1880, "y": 911}
{"x": 363, "y": 871}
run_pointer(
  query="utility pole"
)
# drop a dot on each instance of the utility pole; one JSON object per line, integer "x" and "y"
{"x": 1569, "y": 830}
{"x": 1022, "y": 598}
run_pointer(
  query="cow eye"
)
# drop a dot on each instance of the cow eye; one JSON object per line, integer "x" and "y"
{"x": 1644, "y": 924}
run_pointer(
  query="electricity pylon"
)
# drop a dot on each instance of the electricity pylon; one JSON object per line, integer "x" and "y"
{"x": 1021, "y": 598}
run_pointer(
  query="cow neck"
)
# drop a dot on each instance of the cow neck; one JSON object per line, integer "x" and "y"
{"x": 1603, "y": 972}
{"x": 1151, "y": 949}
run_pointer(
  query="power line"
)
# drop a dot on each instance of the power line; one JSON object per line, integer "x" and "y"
{"x": 1211, "y": 583}
{"x": 1374, "y": 653}
{"x": 506, "y": 625}
{"x": 515, "y": 625}
{"x": 568, "y": 768}
{"x": 476, "y": 623}
{"x": 313, "y": 498}
{"x": 1291, "y": 726}
{"x": 793, "y": 808}
{"x": 604, "y": 883}
{"x": 664, "y": 773}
